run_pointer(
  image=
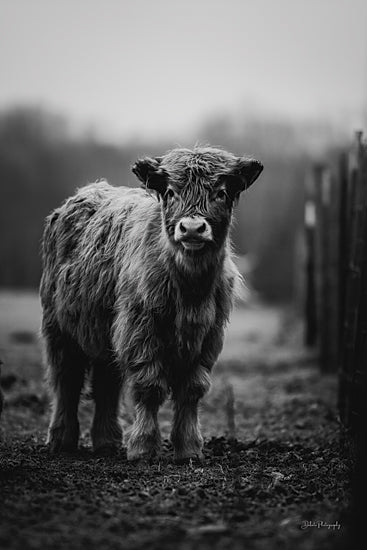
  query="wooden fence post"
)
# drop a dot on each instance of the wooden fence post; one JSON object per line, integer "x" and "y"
{"x": 353, "y": 362}
{"x": 332, "y": 274}
{"x": 344, "y": 247}
{"x": 358, "y": 381}
{"x": 310, "y": 297}
{"x": 326, "y": 195}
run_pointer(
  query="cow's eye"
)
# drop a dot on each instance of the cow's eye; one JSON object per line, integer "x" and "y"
{"x": 170, "y": 193}
{"x": 221, "y": 195}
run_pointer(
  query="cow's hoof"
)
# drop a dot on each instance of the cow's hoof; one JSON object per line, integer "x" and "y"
{"x": 61, "y": 440}
{"x": 106, "y": 436}
{"x": 142, "y": 460}
{"x": 107, "y": 450}
{"x": 188, "y": 457}
{"x": 138, "y": 456}
{"x": 106, "y": 445}
{"x": 144, "y": 447}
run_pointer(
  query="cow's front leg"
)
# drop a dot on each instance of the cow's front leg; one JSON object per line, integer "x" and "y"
{"x": 149, "y": 390}
{"x": 186, "y": 436}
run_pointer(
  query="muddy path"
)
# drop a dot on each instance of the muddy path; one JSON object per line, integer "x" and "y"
{"x": 276, "y": 469}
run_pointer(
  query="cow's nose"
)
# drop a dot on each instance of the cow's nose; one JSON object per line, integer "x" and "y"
{"x": 193, "y": 227}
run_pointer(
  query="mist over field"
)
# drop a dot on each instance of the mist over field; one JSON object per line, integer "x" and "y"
{"x": 42, "y": 163}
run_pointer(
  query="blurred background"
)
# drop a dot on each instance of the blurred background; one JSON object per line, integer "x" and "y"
{"x": 88, "y": 86}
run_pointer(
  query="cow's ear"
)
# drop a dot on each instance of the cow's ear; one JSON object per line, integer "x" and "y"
{"x": 242, "y": 175}
{"x": 150, "y": 173}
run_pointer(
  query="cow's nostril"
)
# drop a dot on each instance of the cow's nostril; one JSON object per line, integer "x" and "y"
{"x": 201, "y": 228}
{"x": 182, "y": 228}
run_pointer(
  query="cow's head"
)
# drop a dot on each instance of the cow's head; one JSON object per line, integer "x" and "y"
{"x": 197, "y": 189}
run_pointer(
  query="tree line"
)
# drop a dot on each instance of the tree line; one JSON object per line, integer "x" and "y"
{"x": 41, "y": 164}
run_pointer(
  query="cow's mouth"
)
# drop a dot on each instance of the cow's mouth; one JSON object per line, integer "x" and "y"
{"x": 193, "y": 245}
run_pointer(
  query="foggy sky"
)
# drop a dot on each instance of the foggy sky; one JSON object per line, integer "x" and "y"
{"x": 145, "y": 68}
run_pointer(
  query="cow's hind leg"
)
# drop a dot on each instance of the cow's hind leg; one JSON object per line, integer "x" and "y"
{"x": 185, "y": 436}
{"x": 106, "y": 429}
{"x": 66, "y": 370}
{"x": 149, "y": 390}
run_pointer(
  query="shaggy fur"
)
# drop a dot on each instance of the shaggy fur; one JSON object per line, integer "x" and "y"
{"x": 139, "y": 291}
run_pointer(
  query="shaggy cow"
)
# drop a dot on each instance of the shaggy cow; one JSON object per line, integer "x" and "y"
{"x": 137, "y": 286}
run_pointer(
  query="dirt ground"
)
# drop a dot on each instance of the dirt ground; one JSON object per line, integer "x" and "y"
{"x": 277, "y": 465}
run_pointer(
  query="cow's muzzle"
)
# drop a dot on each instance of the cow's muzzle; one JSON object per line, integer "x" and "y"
{"x": 193, "y": 233}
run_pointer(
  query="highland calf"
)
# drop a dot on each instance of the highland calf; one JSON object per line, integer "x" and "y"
{"x": 137, "y": 287}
